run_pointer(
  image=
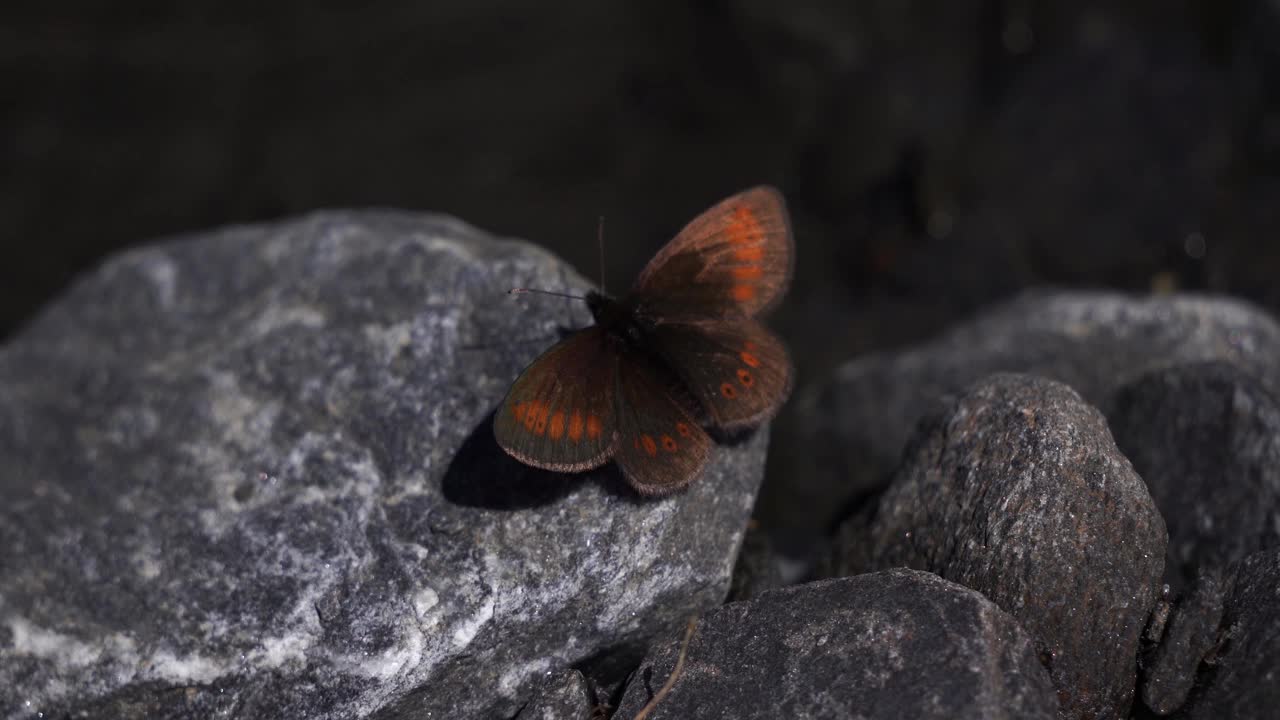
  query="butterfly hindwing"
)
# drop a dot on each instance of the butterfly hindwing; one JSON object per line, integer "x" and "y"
{"x": 660, "y": 447}
{"x": 738, "y": 372}
{"x": 734, "y": 259}
{"x": 559, "y": 414}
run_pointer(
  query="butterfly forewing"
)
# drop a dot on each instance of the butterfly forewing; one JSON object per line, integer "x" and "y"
{"x": 738, "y": 372}
{"x": 559, "y": 414}
{"x": 660, "y": 447}
{"x": 734, "y": 259}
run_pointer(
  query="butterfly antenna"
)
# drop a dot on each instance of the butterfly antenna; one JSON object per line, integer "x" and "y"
{"x": 600, "y": 242}
{"x": 600, "y": 238}
{"x": 520, "y": 291}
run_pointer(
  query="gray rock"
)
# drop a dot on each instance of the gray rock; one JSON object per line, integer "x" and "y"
{"x": 852, "y": 429}
{"x": 757, "y": 569}
{"x": 1191, "y": 633}
{"x": 1206, "y": 439}
{"x": 1244, "y": 682}
{"x": 1017, "y": 491}
{"x": 252, "y": 472}
{"x": 894, "y": 644}
{"x": 564, "y": 695}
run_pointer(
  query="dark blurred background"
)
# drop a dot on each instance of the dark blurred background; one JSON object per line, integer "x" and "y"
{"x": 937, "y": 155}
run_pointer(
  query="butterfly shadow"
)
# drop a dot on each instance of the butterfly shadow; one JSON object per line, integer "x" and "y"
{"x": 482, "y": 474}
{"x": 732, "y": 438}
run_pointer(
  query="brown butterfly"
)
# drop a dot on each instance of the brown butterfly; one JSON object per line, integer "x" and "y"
{"x": 681, "y": 350}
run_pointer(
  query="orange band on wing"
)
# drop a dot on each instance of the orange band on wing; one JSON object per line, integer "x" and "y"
{"x": 743, "y": 227}
{"x": 649, "y": 445}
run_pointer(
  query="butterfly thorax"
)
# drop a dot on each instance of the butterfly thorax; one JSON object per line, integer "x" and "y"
{"x": 621, "y": 320}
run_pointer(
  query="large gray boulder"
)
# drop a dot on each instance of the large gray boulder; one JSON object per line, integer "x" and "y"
{"x": 252, "y": 472}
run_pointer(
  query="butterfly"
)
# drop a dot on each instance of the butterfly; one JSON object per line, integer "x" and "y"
{"x": 682, "y": 350}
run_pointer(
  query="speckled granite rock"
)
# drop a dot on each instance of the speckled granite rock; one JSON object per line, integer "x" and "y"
{"x": 1206, "y": 439}
{"x": 252, "y": 472}
{"x": 1243, "y": 680}
{"x": 1017, "y": 491}
{"x": 893, "y": 644}
{"x": 852, "y": 428}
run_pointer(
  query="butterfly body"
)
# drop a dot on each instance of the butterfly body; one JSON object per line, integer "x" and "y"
{"x": 624, "y": 323}
{"x": 681, "y": 350}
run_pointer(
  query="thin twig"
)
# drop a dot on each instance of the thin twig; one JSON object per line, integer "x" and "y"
{"x": 675, "y": 673}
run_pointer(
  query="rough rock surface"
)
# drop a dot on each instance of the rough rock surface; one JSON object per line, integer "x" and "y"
{"x": 1189, "y": 636}
{"x": 893, "y": 644}
{"x": 1206, "y": 439}
{"x": 1245, "y": 679}
{"x": 757, "y": 569}
{"x": 1018, "y": 491}
{"x": 252, "y": 472}
{"x": 563, "y": 696}
{"x": 852, "y": 429}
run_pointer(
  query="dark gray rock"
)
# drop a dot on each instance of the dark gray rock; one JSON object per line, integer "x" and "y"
{"x": 1017, "y": 491}
{"x": 1206, "y": 439}
{"x": 894, "y": 644}
{"x": 1191, "y": 633}
{"x": 253, "y": 472}
{"x": 757, "y": 569}
{"x": 852, "y": 429}
{"x": 563, "y": 696}
{"x": 1243, "y": 681}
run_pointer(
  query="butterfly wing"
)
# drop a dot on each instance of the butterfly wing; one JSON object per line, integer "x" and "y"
{"x": 738, "y": 371}
{"x": 660, "y": 447}
{"x": 559, "y": 414}
{"x": 734, "y": 259}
